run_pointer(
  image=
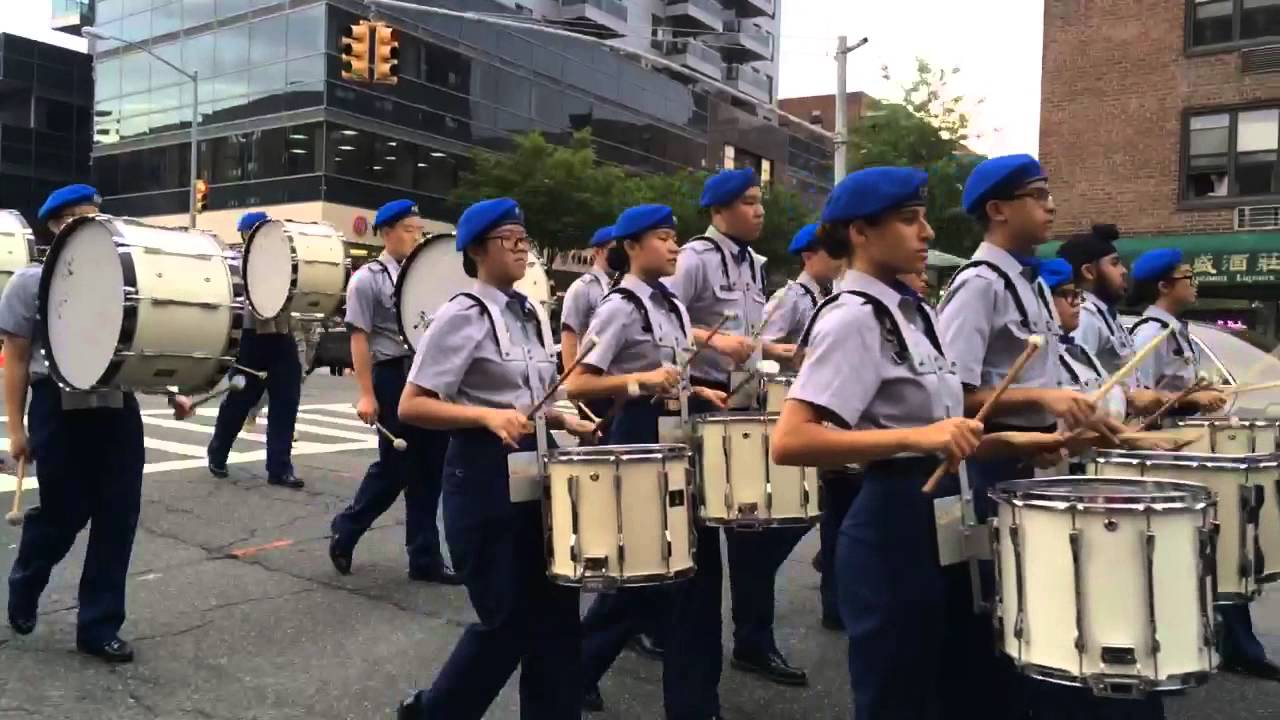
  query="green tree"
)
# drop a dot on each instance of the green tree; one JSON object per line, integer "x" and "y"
{"x": 925, "y": 129}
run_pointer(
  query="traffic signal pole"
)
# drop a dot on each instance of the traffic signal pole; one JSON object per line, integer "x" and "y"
{"x": 195, "y": 155}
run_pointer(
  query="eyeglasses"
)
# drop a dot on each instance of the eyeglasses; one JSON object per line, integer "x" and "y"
{"x": 1039, "y": 194}
{"x": 1189, "y": 278}
{"x": 512, "y": 242}
{"x": 1074, "y": 297}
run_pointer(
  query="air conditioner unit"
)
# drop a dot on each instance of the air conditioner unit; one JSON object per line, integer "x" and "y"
{"x": 1258, "y": 217}
{"x": 1263, "y": 59}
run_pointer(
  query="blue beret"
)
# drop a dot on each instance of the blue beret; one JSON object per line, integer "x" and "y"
{"x": 393, "y": 212}
{"x": 635, "y": 221}
{"x": 603, "y": 236}
{"x": 480, "y": 218}
{"x": 66, "y": 197}
{"x": 996, "y": 177}
{"x": 250, "y": 220}
{"x": 870, "y": 192}
{"x": 1056, "y": 273}
{"x": 1156, "y": 264}
{"x": 804, "y": 239}
{"x": 726, "y": 186}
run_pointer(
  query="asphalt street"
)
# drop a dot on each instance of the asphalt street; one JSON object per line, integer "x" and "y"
{"x": 236, "y": 613}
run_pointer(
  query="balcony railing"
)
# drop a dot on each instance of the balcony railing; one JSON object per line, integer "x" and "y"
{"x": 616, "y": 8}
{"x": 710, "y": 6}
{"x": 751, "y": 32}
{"x": 695, "y": 50}
{"x": 746, "y": 75}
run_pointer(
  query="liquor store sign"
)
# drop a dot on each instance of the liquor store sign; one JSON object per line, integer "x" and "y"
{"x": 1248, "y": 268}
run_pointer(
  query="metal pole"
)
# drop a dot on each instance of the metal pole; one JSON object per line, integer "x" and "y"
{"x": 195, "y": 122}
{"x": 842, "y": 121}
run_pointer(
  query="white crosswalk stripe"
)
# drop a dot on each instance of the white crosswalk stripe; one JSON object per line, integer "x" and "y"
{"x": 181, "y": 445}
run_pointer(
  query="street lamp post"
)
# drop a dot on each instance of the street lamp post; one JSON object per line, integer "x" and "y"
{"x": 194, "y": 76}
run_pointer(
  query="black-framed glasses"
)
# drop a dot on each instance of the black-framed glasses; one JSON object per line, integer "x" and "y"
{"x": 1074, "y": 297}
{"x": 1039, "y": 194}
{"x": 1189, "y": 278}
{"x": 512, "y": 241}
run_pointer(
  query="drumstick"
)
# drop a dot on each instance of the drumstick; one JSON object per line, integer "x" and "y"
{"x": 260, "y": 374}
{"x": 585, "y": 348}
{"x": 15, "y": 517}
{"x": 1240, "y": 389}
{"x": 1034, "y": 343}
{"x": 1130, "y": 366}
{"x": 236, "y": 383}
{"x": 586, "y": 411}
{"x": 715, "y": 330}
{"x": 397, "y": 443}
{"x": 1155, "y": 417}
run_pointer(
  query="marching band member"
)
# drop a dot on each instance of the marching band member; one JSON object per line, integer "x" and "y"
{"x": 89, "y": 450}
{"x": 381, "y": 363}
{"x": 1162, "y": 279}
{"x": 642, "y": 334}
{"x": 580, "y": 303}
{"x": 265, "y": 346}
{"x": 718, "y": 273}
{"x": 916, "y": 648}
{"x": 797, "y": 299}
{"x": 1101, "y": 274}
{"x": 484, "y": 362}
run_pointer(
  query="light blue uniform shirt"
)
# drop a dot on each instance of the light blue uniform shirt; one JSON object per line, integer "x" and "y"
{"x": 983, "y": 331}
{"x": 708, "y": 291}
{"x": 622, "y": 343}
{"x": 582, "y": 298}
{"x": 1172, "y": 366}
{"x": 795, "y": 303}
{"x": 502, "y": 358}
{"x": 890, "y": 388}
{"x": 1102, "y": 334}
{"x": 371, "y": 307}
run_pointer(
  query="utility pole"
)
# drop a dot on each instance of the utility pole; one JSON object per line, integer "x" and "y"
{"x": 841, "y": 140}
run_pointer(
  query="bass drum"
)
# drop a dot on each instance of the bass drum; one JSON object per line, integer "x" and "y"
{"x": 432, "y": 274}
{"x": 16, "y": 245}
{"x": 294, "y": 267}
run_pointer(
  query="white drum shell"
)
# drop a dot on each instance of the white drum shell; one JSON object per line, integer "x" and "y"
{"x": 740, "y": 485}
{"x": 173, "y": 323}
{"x": 775, "y": 392}
{"x": 1037, "y": 573}
{"x": 606, "y": 498}
{"x": 16, "y": 243}
{"x": 295, "y": 266}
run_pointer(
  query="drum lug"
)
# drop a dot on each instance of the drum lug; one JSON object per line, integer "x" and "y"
{"x": 997, "y": 597}
{"x": 1150, "y": 543}
{"x": 575, "y": 540}
{"x": 768, "y": 476}
{"x": 664, "y": 481}
{"x": 1245, "y": 567}
{"x": 728, "y": 471}
{"x": 1207, "y": 561}
{"x": 1075, "y": 540}
{"x": 1019, "y": 623}
{"x": 617, "y": 495}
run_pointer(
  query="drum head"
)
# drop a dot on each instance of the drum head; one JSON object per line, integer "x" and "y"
{"x": 1102, "y": 492}
{"x": 429, "y": 277}
{"x": 82, "y": 302}
{"x": 269, "y": 272}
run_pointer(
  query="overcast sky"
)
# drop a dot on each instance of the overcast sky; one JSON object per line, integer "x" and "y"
{"x": 1001, "y": 69}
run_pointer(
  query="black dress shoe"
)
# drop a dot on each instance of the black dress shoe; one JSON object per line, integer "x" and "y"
{"x": 409, "y": 709}
{"x": 287, "y": 481}
{"x": 1261, "y": 669}
{"x": 832, "y": 623}
{"x": 771, "y": 667}
{"x": 340, "y": 558}
{"x": 218, "y": 470}
{"x": 444, "y": 576}
{"x": 817, "y": 562}
{"x": 114, "y": 650}
{"x": 646, "y": 646}
{"x": 592, "y": 702}
{"x": 21, "y": 623}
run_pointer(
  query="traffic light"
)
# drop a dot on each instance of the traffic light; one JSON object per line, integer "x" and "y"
{"x": 202, "y": 194}
{"x": 386, "y": 55}
{"x": 355, "y": 52}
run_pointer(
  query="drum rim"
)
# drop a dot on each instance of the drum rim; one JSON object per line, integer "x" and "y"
{"x": 247, "y": 246}
{"x": 597, "y": 453}
{"x": 1164, "y": 458}
{"x": 400, "y": 283}
{"x": 1228, "y": 421}
{"x": 744, "y": 415}
{"x": 1193, "y": 496}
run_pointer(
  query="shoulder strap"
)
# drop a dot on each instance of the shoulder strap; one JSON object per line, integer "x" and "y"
{"x": 1106, "y": 319}
{"x": 1004, "y": 277}
{"x": 646, "y": 323}
{"x": 757, "y": 270}
{"x": 884, "y": 316}
{"x": 813, "y": 297}
{"x": 1071, "y": 371}
{"x": 379, "y": 263}
{"x": 484, "y": 308}
{"x": 1177, "y": 341}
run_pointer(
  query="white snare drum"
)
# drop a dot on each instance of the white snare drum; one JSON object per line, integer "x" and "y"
{"x": 775, "y": 392}
{"x": 620, "y": 515}
{"x": 739, "y": 485}
{"x": 1229, "y": 436}
{"x": 128, "y": 305}
{"x": 16, "y": 245}
{"x": 1105, "y": 582}
{"x": 294, "y": 266}
{"x": 1239, "y": 482}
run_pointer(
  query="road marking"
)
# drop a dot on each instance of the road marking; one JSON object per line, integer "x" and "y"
{"x": 243, "y": 553}
{"x": 175, "y": 448}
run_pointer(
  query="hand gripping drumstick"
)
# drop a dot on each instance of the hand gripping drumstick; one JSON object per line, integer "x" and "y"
{"x": 236, "y": 384}
{"x": 397, "y": 443}
{"x": 715, "y": 330}
{"x": 583, "y": 349}
{"x": 1130, "y": 366}
{"x": 1034, "y": 343}
{"x": 15, "y": 517}
{"x": 1149, "y": 422}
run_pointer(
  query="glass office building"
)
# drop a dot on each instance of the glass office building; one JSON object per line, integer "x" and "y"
{"x": 279, "y": 128}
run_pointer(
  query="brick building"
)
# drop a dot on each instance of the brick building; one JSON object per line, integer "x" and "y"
{"x": 1163, "y": 116}
{"x": 821, "y": 109}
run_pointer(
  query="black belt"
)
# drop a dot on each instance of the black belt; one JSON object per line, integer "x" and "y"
{"x": 397, "y": 362}
{"x": 995, "y": 427}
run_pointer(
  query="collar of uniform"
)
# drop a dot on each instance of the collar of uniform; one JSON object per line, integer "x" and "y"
{"x": 858, "y": 280}
{"x": 392, "y": 264}
{"x": 490, "y": 294}
{"x": 601, "y": 275}
{"x": 731, "y": 246}
{"x": 804, "y": 279}
{"x": 1159, "y": 312}
{"x": 1002, "y": 258}
{"x": 640, "y": 287}
{"x": 1091, "y": 300}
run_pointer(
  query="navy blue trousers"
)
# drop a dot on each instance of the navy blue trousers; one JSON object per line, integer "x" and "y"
{"x": 1239, "y": 643}
{"x": 525, "y": 620}
{"x": 416, "y": 472}
{"x": 90, "y": 469}
{"x": 277, "y": 354}
{"x": 839, "y": 489}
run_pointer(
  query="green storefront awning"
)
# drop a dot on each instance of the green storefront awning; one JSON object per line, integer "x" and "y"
{"x": 1248, "y": 258}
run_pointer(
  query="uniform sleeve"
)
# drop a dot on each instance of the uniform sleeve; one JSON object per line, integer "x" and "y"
{"x": 824, "y": 381}
{"x": 18, "y": 304}
{"x": 687, "y": 283}
{"x": 1148, "y": 371}
{"x": 578, "y": 302}
{"x": 611, "y": 325}
{"x": 1090, "y": 333}
{"x": 360, "y": 301}
{"x": 446, "y": 349}
{"x": 966, "y": 327}
{"x": 782, "y": 321}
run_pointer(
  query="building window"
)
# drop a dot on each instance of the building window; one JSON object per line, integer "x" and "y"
{"x": 1233, "y": 154}
{"x": 1215, "y": 22}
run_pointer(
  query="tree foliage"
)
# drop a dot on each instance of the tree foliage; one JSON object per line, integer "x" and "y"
{"x": 566, "y": 194}
{"x": 926, "y": 129}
